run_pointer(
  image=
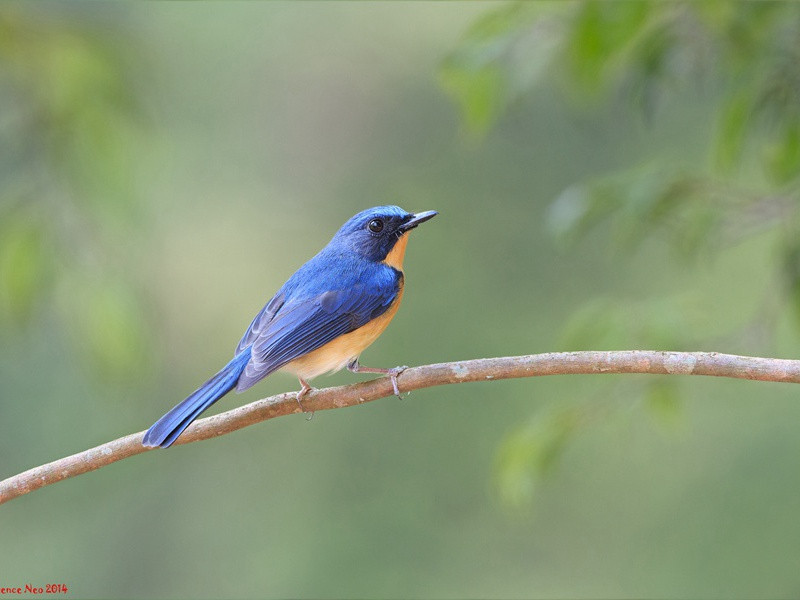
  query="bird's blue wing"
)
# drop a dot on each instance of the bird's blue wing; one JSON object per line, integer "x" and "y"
{"x": 261, "y": 321}
{"x": 302, "y": 326}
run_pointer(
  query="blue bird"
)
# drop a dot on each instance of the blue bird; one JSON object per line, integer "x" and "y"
{"x": 321, "y": 319}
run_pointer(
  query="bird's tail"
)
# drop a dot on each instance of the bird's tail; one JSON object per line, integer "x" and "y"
{"x": 167, "y": 429}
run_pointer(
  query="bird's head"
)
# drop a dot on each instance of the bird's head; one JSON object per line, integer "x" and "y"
{"x": 380, "y": 234}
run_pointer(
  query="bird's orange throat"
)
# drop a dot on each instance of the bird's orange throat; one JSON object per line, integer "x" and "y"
{"x": 395, "y": 257}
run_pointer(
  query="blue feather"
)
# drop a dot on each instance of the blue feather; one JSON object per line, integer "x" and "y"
{"x": 167, "y": 429}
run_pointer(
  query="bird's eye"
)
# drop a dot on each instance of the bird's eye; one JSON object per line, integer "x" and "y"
{"x": 375, "y": 226}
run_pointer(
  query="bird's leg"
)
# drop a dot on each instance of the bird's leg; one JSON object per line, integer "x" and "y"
{"x": 303, "y": 391}
{"x": 354, "y": 367}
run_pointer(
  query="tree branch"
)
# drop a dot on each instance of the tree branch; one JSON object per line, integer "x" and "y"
{"x": 484, "y": 369}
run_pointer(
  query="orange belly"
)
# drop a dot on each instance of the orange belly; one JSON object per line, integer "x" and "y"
{"x": 336, "y": 354}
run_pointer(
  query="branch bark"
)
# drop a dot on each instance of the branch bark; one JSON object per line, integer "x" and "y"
{"x": 484, "y": 369}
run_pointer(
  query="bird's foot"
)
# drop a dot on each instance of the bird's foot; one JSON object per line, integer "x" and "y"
{"x": 301, "y": 394}
{"x": 393, "y": 373}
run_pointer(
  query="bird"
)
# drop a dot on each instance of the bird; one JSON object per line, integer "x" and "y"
{"x": 325, "y": 315}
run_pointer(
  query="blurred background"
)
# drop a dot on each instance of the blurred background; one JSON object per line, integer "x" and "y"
{"x": 609, "y": 176}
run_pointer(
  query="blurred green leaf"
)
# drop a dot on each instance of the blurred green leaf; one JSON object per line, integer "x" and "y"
{"x": 480, "y": 92}
{"x": 600, "y": 36}
{"x": 640, "y": 201}
{"x": 108, "y": 325}
{"x": 649, "y": 196}
{"x": 484, "y": 73}
{"x": 595, "y": 324}
{"x": 528, "y": 454}
{"x": 791, "y": 273}
{"x": 499, "y": 23}
{"x": 78, "y": 74}
{"x": 732, "y": 129}
{"x": 98, "y": 153}
{"x": 745, "y": 28}
{"x": 783, "y": 156}
{"x": 581, "y": 207}
{"x": 23, "y": 267}
{"x": 92, "y": 117}
{"x": 611, "y": 324}
{"x": 667, "y": 323}
{"x": 664, "y": 399}
{"x": 698, "y": 230}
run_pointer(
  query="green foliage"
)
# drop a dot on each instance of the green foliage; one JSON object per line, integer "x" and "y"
{"x": 664, "y": 399}
{"x": 638, "y": 202}
{"x": 601, "y": 39}
{"x": 24, "y": 263}
{"x": 732, "y": 130}
{"x": 790, "y": 271}
{"x": 746, "y": 56}
{"x": 529, "y": 453}
{"x": 496, "y": 62}
{"x": 480, "y": 92}
{"x": 618, "y": 324}
{"x": 782, "y": 156}
{"x": 748, "y": 51}
{"x": 67, "y": 193}
{"x": 646, "y": 48}
{"x": 108, "y": 325}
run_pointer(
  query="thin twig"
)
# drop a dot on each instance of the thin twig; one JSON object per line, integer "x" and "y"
{"x": 484, "y": 369}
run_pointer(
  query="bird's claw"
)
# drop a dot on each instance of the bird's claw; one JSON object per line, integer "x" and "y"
{"x": 301, "y": 394}
{"x": 393, "y": 374}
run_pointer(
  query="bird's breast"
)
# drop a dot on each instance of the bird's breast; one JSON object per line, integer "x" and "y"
{"x": 336, "y": 354}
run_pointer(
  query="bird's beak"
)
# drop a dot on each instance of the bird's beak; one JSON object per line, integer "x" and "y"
{"x": 417, "y": 219}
